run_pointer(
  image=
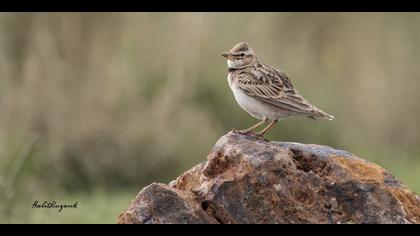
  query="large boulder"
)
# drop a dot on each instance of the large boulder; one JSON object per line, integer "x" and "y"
{"x": 248, "y": 180}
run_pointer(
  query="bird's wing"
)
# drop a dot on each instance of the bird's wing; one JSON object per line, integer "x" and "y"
{"x": 274, "y": 87}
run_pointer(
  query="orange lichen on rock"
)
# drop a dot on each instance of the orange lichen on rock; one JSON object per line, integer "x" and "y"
{"x": 360, "y": 169}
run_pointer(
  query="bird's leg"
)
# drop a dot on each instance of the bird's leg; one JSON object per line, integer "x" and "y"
{"x": 262, "y": 132}
{"x": 252, "y": 128}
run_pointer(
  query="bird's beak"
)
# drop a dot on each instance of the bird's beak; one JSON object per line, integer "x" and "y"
{"x": 226, "y": 54}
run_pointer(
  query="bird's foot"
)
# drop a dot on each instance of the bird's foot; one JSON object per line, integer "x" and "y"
{"x": 260, "y": 136}
{"x": 244, "y": 132}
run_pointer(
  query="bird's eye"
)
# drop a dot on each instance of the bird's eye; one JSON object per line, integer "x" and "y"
{"x": 242, "y": 54}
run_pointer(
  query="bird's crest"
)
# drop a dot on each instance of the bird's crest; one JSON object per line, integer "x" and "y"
{"x": 240, "y": 47}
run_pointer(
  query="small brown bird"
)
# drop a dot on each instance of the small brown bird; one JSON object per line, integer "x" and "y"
{"x": 265, "y": 92}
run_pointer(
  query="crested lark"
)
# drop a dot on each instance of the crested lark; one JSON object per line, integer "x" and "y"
{"x": 265, "y": 92}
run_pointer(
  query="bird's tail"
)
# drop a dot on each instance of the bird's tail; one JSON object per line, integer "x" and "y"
{"x": 318, "y": 113}
{"x": 328, "y": 116}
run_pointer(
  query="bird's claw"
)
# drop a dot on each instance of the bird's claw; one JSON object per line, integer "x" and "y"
{"x": 252, "y": 133}
{"x": 244, "y": 132}
{"x": 261, "y": 137}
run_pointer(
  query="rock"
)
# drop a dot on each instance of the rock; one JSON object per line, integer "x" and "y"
{"x": 247, "y": 180}
{"x": 159, "y": 203}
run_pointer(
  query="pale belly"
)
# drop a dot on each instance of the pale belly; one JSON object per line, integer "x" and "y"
{"x": 256, "y": 108}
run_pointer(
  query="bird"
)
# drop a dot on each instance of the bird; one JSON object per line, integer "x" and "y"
{"x": 265, "y": 92}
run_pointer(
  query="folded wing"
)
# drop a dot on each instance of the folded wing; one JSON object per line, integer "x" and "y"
{"x": 276, "y": 89}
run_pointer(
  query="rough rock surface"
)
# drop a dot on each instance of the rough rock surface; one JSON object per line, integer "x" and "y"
{"x": 246, "y": 180}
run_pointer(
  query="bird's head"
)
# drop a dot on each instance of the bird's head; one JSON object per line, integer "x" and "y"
{"x": 240, "y": 56}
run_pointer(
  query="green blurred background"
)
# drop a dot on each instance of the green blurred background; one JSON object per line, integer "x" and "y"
{"x": 94, "y": 106}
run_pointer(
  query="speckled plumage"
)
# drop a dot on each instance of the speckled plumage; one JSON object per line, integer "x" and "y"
{"x": 265, "y": 92}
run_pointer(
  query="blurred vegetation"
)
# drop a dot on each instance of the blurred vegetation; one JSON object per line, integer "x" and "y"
{"x": 96, "y": 105}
